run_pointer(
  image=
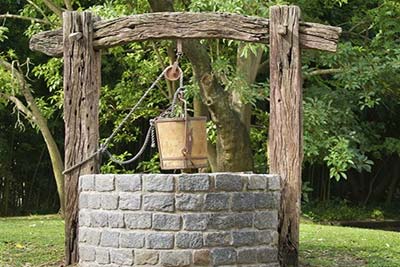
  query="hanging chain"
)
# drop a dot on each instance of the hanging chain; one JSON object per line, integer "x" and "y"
{"x": 151, "y": 131}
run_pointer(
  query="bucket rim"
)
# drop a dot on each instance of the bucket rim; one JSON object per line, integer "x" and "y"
{"x": 161, "y": 120}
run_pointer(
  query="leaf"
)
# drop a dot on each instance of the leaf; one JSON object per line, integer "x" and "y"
{"x": 19, "y": 246}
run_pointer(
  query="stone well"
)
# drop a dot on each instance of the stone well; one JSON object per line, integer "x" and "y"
{"x": 218, "y": 219}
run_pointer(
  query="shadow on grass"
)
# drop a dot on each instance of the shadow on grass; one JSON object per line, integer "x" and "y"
{"x": 313, "y": 255}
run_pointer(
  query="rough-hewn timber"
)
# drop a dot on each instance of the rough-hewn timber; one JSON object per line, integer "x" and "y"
{"x": 186, "y": 25}
{"x": 285, "y": 148}
{"x": 81, "y": 100}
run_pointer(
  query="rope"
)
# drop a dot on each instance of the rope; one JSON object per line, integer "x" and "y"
{"x": 150, "y": 132}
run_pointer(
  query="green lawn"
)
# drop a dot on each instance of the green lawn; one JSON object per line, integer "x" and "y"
{"x": 38, "y": 241}
{"x": 322, "y": 245}
{"x": 31, "y": 241}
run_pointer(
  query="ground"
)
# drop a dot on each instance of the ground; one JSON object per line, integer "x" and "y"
{"x": 38, "y": 241}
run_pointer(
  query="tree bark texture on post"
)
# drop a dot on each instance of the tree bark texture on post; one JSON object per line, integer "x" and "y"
{"x": 82, "y": 81}
{"x": 285, "y": 145}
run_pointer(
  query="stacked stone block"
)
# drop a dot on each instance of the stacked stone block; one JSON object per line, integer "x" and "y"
{"x": 218, "y": 219}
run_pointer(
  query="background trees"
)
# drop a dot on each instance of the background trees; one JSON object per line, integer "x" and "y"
{"x": 351, "y": 98}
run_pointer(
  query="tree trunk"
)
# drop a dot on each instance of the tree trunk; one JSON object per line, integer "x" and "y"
{"x": 285, "y": 131}
{"x": 233, "y": 140}
{"x": 81, "y": 103}
{"x": 247, "y": 68}
{"x": 393, "y": 184}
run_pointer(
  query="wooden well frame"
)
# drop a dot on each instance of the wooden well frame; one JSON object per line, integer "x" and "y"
{"x": 82, "y": 38}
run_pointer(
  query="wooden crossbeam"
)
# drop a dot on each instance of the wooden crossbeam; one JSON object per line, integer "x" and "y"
{"x": 187, "y": 25}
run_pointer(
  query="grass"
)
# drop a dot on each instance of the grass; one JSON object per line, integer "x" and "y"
{"x": 38, "y": 241}
{"x": 322, "y": 245}
{"x": 31, "y": 241}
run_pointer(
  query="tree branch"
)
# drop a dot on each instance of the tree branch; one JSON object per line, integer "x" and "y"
{"x": 53, "y": 7}
{"x": 19, "y": 105}
{"x": 322, "y": 72}
{"x": 39, "y": 9}
{"x": 68, "y": 5}
{"x": 13, "y": 16}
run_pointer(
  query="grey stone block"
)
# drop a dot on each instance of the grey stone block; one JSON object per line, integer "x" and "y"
{"x": 243, "y": 238}
{"x": 104, "y": 182}
{"x": 189, "y": 240}
{"x": 98, "y": 219}
{"x": 109, "y": 201}
{"x": 122, "y": 257}
{"x": 146, "y": 257}
{"x": 89, "y": 236}
{"x": 84, "y": 218}
{"x": 158, "y": 182}
{"x": 160, "y": 240}
{"x": 166, "y": 222}
{"x": 243, "y": 219}
{"x": 229, "y": 182}
{"x": 87, "y": 253}
{"x": 158, "y": 202}
{"x": 247, "y": 255}
{"x": 83, "y": 200}
{"x": 130, "y": 201}
{"x": 267, "y": 255}
{"x": 189, "y": 202}
{"x": 217, "y": 239}
{"x": 109, "y": 239}
{"x": 274, "y": 182}
{"x": 266, "y": 220}
{"x": 243, "y": 201}
{"x": 93, "y": 200}
{"x": 223, "y": 256}
{"x": 131, "y": 240}
{"x": 102, "y": 255}
{"x": 216, "y": 201}
{"x": 267, "y": 200}
{"x": 176, "y": 258}
{"x": 221, "y": 221}
{"x": 257, "y": 182}
{"x": 86, "y": 182}
{"x": 116, "y": 220}
{"x": 194, "y": 182}
{"x": 267, "y": 237}
{"x": 195, "y": 222}
{"x": 128, "y": 182}
{"x": 138, "y": 220}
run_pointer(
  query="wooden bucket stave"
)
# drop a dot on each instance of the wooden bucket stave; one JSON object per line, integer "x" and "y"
{"x": 172, "y": 139}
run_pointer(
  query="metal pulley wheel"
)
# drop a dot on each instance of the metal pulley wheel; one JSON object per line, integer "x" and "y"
{"x": 173, "y": 72}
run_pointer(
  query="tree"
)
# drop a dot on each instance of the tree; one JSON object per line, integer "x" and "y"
{"x": 31, "y": 112}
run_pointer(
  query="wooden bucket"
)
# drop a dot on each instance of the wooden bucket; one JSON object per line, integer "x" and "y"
{"x": 182, "y": 144}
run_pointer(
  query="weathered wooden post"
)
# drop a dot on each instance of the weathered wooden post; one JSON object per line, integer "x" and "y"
{"x": 82, "y": 81}
{"x": 285, "y": 142}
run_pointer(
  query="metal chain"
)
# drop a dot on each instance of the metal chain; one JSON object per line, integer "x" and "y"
{"x": 150, "y": 133}
{"x": 142, "y": 149}
{"x": 104, "y": 146}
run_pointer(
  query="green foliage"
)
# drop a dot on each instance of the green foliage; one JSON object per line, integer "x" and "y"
{"x": 339, "y": 158}
{"x": 3, "y": 32}
{"x": 341, "y": 210}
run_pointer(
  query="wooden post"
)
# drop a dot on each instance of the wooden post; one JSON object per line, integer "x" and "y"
{"x": 285, "y": 145}
{"x": 82, "y": 81}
